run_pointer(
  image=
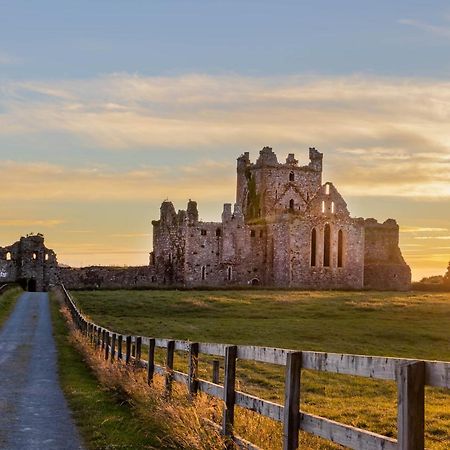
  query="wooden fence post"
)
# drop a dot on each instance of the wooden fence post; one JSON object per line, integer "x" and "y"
{"x": 215, "y": 371}
{"x": 103, "y": 339}
{"x": 169, "y": 367}
{"x": 291, "y": 419}
{"x": 138, "y": 351}
{"x": 113, "y": 346}
{"x": 229, "y": 393}
{"x": 151, "y": 360}
{"x": 411, "y": 405}
{"x": 119, "y": 347}
{"x": 106, "y": 345}
{"x": 128, "y": 350}
{"x": 98, "y": 337}
{"x": 193, "y": 368}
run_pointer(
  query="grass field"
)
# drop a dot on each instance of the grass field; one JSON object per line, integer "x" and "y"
{"x": 392, "y": 324}
{"x": 7, "y": 302}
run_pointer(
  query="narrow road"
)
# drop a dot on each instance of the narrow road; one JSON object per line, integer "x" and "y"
{"x": 33, "y": 411}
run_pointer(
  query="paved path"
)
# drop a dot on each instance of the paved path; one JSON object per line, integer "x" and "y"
{"x": 33, "y": 411}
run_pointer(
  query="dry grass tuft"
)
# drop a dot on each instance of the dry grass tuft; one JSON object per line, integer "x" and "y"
{"x": 181, "y": 419}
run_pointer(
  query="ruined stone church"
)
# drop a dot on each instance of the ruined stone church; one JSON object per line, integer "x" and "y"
{"x": 287, "y": 229}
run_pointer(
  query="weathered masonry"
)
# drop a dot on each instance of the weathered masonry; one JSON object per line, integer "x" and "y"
{"x": 29, "y": 263}
{"x": 286, "y": 229}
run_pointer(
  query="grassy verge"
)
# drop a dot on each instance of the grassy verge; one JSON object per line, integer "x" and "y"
{"x": 393, "y": 324}
{"x": 7, "y": 302}
{"x": 106, "y": 419}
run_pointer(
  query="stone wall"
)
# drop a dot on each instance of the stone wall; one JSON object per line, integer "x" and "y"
{"x": 98, "y": 277}
{"x": 384, "y": 266}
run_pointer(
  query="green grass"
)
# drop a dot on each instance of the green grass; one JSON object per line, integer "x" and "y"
{"x": 411, "y": 325}
{"x": 7, "y": 302}
{"x": 104, "y": 418}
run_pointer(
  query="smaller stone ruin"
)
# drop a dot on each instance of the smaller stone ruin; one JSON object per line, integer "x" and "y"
{"x": 29, "y": 263}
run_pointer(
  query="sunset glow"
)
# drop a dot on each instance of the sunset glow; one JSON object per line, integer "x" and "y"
{"x": 88, "y": 153}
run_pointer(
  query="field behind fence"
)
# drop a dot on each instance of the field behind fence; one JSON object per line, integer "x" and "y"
{"x": 410, "y": 375}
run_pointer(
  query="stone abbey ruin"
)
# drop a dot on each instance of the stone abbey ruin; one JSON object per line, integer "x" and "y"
{"x": 287, "y": 229}
{"x": 29, "y": 263}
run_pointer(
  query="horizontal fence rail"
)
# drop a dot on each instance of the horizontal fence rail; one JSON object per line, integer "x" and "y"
{"x": 411, "y": 377}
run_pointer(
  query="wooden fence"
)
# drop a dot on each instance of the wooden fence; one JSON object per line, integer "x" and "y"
{"x": 411, "y": 377}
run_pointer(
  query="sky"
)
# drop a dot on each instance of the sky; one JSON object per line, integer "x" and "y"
{"x": 108, "y": 108}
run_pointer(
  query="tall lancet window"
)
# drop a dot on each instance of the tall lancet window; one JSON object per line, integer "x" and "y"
{"x": 326, "y": 245}
{"x": 313, "y": 247}
{"x": 340, "y": 260}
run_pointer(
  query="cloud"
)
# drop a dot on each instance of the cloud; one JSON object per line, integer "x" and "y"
{"x": 46, "y": 223}
{"x": 421, "y": 229}
{"x": 391, "y": 134}
{"x": 441, "y": 31}
{"x": 79, "y": 231}
{"x": 131, "y": 235}
{"x": 51, "y": 182}
{"x": 445, "y": 238}
{"x": 6, "y": 59}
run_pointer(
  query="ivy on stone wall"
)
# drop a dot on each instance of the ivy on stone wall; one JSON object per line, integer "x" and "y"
{"x": 253, "y": 198}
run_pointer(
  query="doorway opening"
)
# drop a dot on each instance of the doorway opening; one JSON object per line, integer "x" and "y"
{"x": 31, "y": 285}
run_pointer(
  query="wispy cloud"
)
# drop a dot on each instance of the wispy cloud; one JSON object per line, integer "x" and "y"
{"x": 130, "y": 235}
{"x": 421, "y": 229}
{"x": 79, "y": 231}
{"x": 7, "y": 59}
{"x": 50, "y": 182}
{"x": 441, "y": 31}
{"x": 443, "y": 238}
{"x": 46, "y": 223}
